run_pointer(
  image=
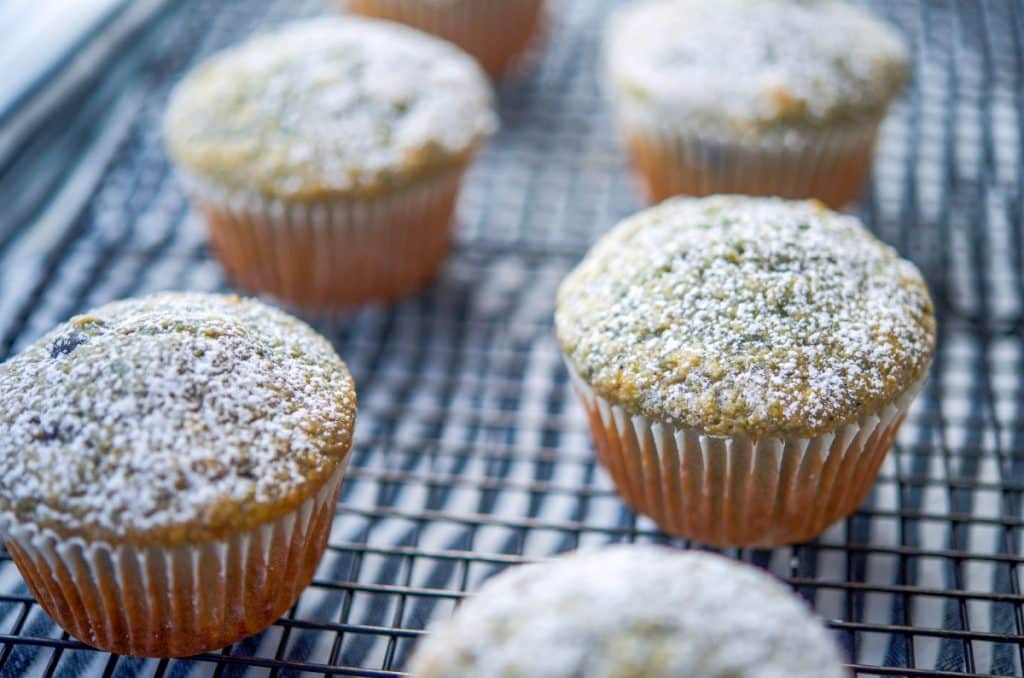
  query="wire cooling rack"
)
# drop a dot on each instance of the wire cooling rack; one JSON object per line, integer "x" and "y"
{"x": 471, "y": 453}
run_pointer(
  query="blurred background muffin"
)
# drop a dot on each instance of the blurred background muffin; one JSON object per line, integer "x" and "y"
{"x": 766, "y": 97}
{"x": 495, "y": 32}
{"x": 327, "y": 156}
{"x": 745, "y": 363}
{"x": 636, "y": 611}
{"x": 170, "y": 469}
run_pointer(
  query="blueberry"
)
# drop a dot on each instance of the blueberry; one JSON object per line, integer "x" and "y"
{"x": 66, "y": 344}
{"x": 50, "y": 434}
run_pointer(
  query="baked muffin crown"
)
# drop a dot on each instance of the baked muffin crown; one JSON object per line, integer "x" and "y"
{"x": 631, "y": 611}
{"x": 177, "y": 417}
{"x": 329, "y": 107}
{"x": 744, "y": 316}
{"x": 745, "y": 67}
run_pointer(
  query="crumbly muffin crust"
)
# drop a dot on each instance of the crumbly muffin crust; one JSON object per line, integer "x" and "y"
{"x": 747, "y": 67}
{"x": 175, "y": 418}
{"x": 329, "y": 107}
{"x": 746, "y": 316}
{"x": 637, "y": 611}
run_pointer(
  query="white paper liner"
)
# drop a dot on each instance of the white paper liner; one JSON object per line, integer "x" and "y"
{"x": 674, "y": 159}
{"x": 737, "y": 491}
{"x": 336, "y": 254}
{"x": 494, "y": 32}
{"x": 175, "y": 601}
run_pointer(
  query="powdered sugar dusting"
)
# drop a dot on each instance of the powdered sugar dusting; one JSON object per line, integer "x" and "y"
{"x": 632, "y": 611}
{"x": 740, "y": 66}
{"x": 329, "y": 105}
{"x": 170, "y": 415}
{"x": 750, "y": 316}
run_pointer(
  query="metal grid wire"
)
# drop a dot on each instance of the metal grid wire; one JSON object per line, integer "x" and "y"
{"x": 471, "y": 454}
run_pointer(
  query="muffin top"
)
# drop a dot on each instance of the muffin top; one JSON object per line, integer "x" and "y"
{"x": 177, "y": 417}
{"x": 329, "y": 107}
{"x": 638, "y": 611}
{"x": 746, "y": 316}
{"x": 743, "y": 67}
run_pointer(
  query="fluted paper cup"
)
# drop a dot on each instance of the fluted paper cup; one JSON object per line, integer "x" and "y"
{"x": 175, "y": 601}
{"x": 332, "y": 254}
{"x": 671, "y": 159}
{"x": 737, "y": 491}
{"x": 495, "y": 33}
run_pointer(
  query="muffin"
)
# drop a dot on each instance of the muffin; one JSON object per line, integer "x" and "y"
{"x": 170, "y": 469}
{"x": 745, "y": 363}
{"x": 637, "y": 611}
{"x": 495, "y": 32}
{"x": 327, "y": 156}
{"x": 767, "y": 97}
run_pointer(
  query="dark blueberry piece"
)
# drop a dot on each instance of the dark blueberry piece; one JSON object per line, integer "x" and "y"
{"x": 49, "y": 433}
{"x": 66, "y": 344}
{"x": 246, "y": 469}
